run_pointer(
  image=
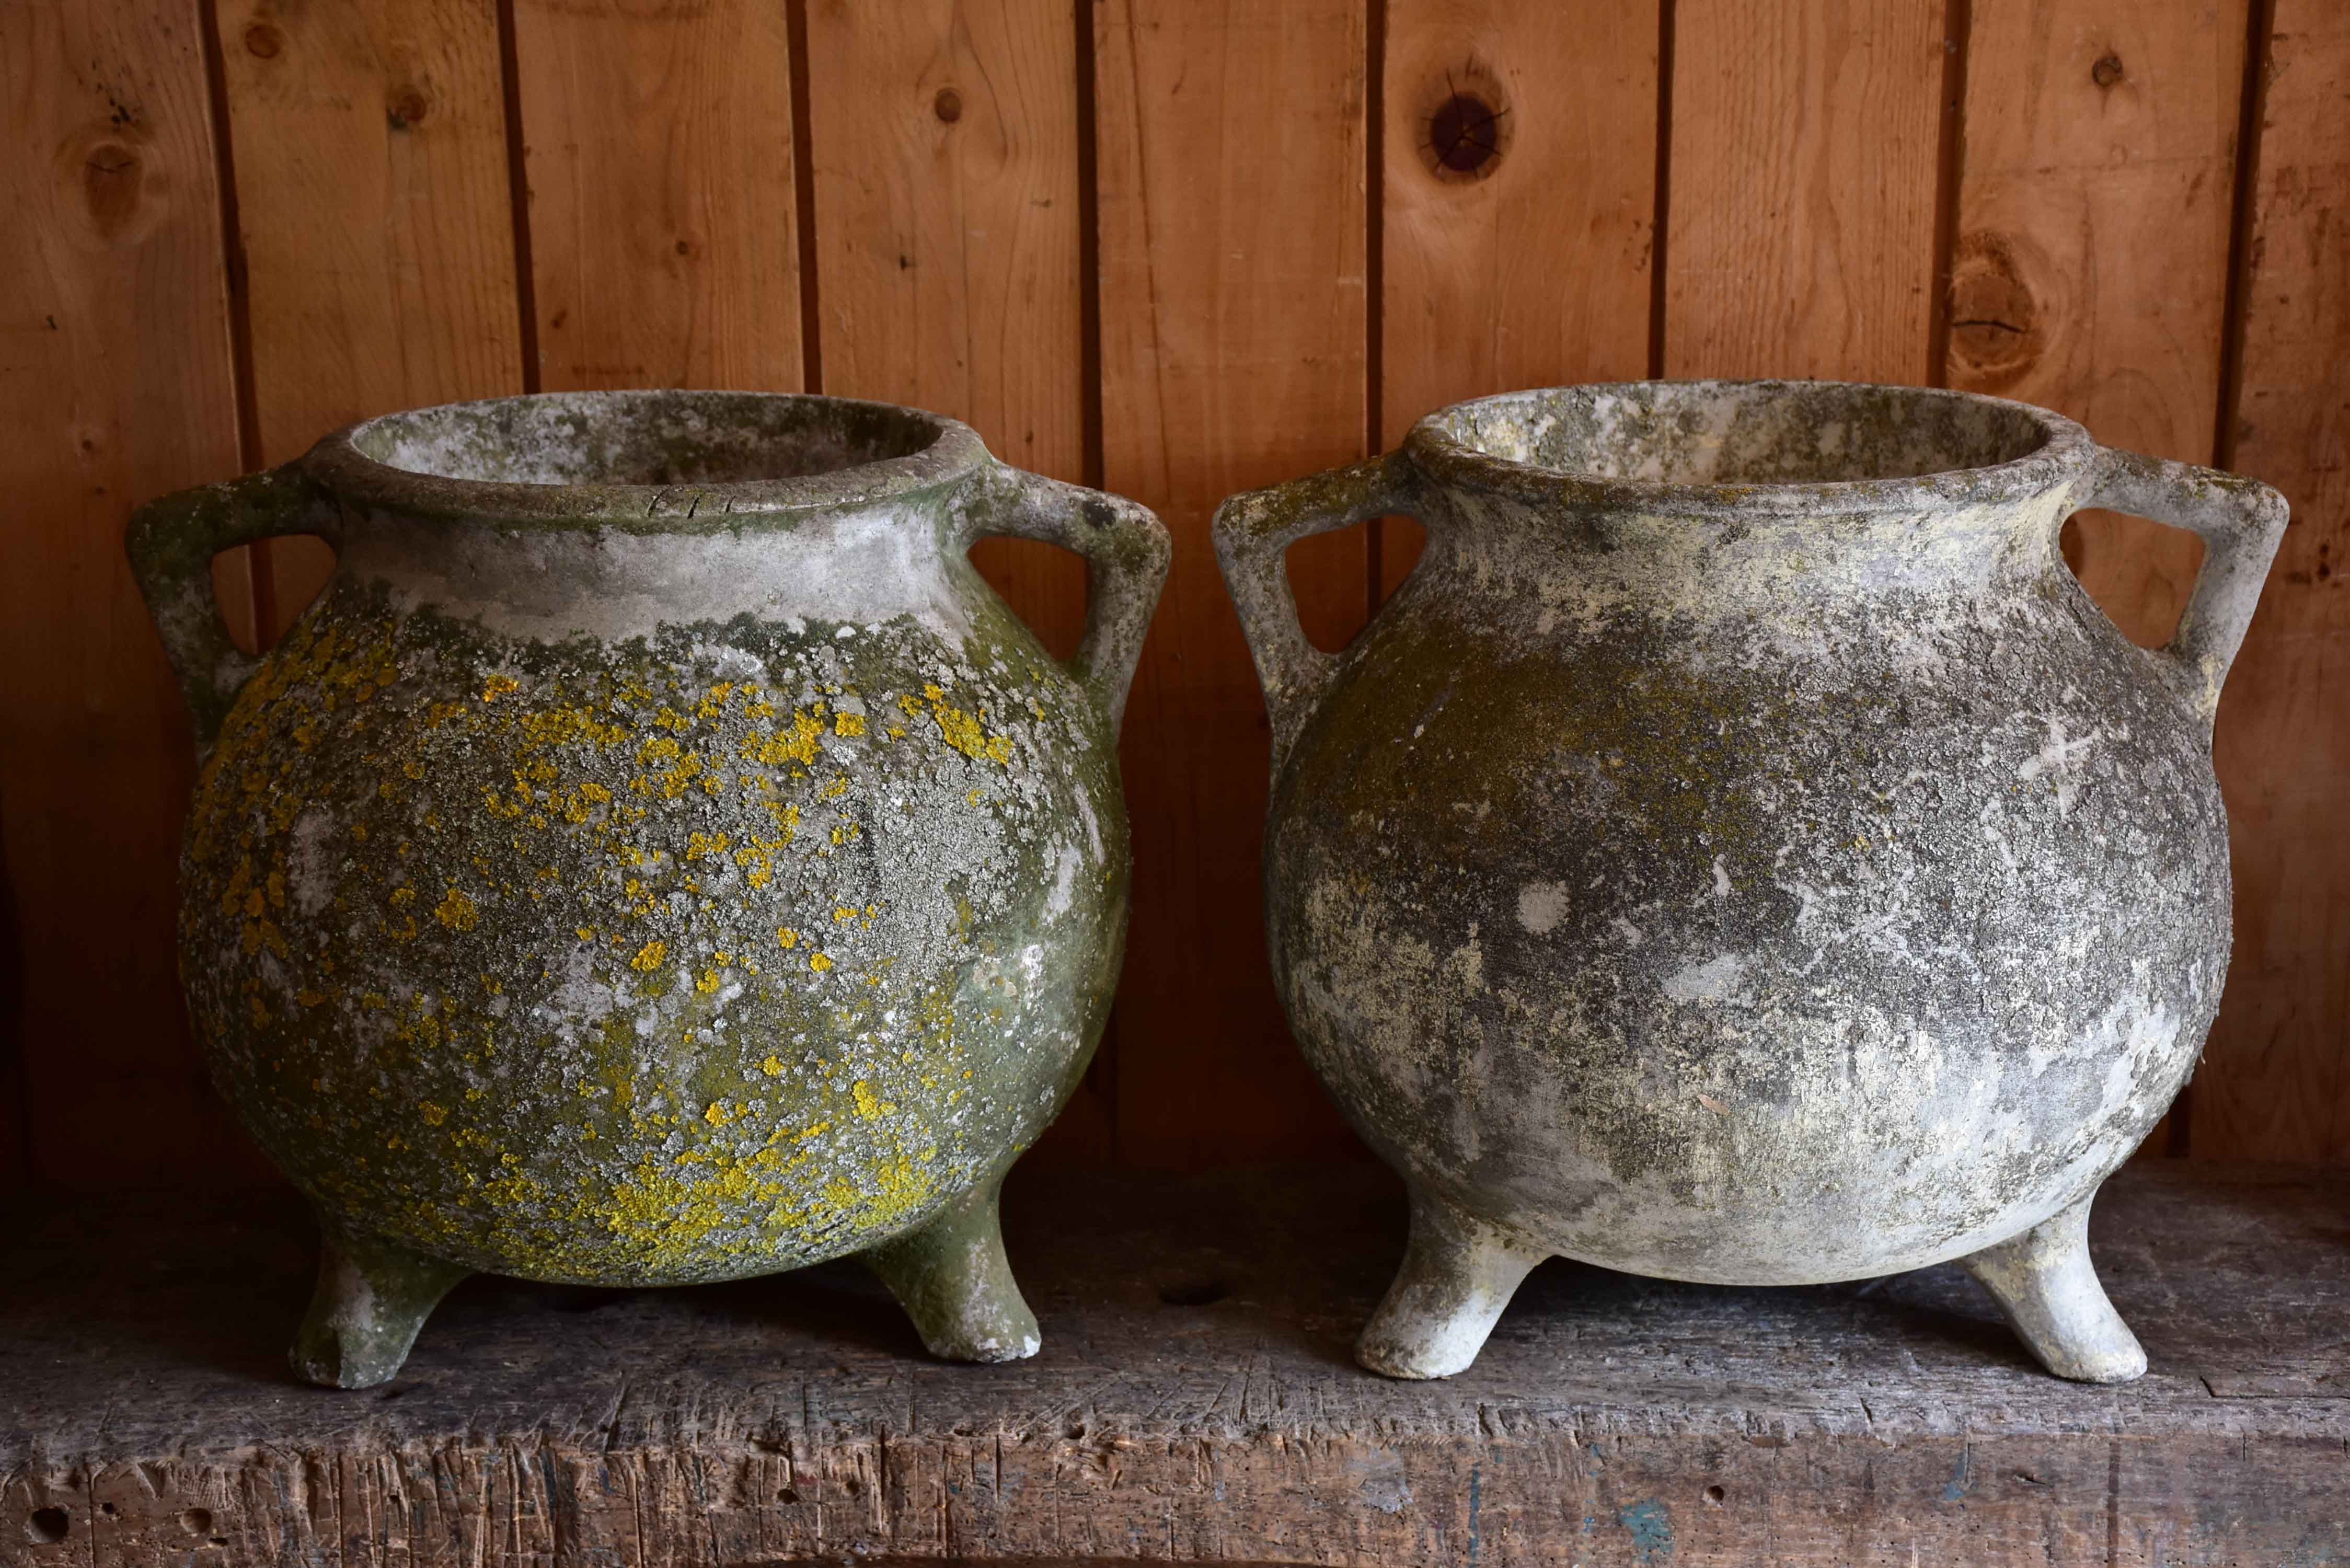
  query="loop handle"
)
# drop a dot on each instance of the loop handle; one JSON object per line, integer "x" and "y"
{"x": 1126, "y": 552}
{"x": 2241, "y": 522}
{"x": 1253, "y": 528}
{"x": 172, "y": 543}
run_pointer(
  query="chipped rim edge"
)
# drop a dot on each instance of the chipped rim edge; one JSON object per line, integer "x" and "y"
{"x": 2066, "y": 452}
{"x": 336, "y": 463}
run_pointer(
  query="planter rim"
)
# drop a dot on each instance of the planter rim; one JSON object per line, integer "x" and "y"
{"x": 343, "y": 465}
{"x": 2065, "y": 451}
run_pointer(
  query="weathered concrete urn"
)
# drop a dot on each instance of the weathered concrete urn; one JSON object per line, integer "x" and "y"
{"x": 1740, "y": 852}
{"x": 657, "y": 857}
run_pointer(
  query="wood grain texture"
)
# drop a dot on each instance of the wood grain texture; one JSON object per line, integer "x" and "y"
{"x": 374, "y": 210}
{"x": 115, "y": 386}
{"x": 944, "y": 140}
{"x": 1231, "y": 147}
{"x": 1194, "y": 1401}
{"x": 2275, "y": 1078}
{"x": 2091, "y": 269}
{"x": 1531, "y": 268}
{"x": 656, "y": 142}
{"x": 1805, "y": 138}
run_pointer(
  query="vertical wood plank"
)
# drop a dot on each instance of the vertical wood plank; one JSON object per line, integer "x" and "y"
{"x": 1231, "y": 139}
{"x": 2091, "y": 269}
{"x": 657, "y": 147}
{"x": 116, "y": 385}
{"x": 1519, "y": 201}
{"x": 2275, "y": 1082}
{"x": 374, "y": 210}
{"x": 944, "y": 140}
{"x": 1804, "y": 142}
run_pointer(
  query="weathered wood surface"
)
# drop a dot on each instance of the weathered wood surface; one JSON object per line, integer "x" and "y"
{"x": 2276, "y": 1083}
{"x": 371, "y": 182}
{"x": 1231, "y": 158}
{"x": 115, "y": 385}
{"x": 1806, "y": 140}
{"x": 1249, "y": 270}
{"x": 1194, "y": 1401}
{"x": 1518, "y": 194}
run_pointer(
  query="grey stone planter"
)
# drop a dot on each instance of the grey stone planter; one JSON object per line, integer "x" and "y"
{"x": 1740, "y": 851}
{"x": 657, "y": 856}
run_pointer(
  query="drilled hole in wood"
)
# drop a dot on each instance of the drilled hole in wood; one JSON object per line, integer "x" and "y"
{"x": 948, "y": 105}
{"x": 1465, "y": 134}
{"x": 2106, "y": 71}
{"x": 47, "y": 1526}
{"x": 1193, "y": 1292}
{"x": 1714, "y": 1495}
{"x": 408, "y": 108}
{"x": 197, "y": 1521}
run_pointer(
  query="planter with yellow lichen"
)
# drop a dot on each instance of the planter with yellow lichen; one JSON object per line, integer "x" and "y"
{"x": 1740, "y": 851}
{"x": 657, "y": 857}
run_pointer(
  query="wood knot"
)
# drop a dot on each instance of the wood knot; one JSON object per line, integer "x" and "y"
{"x": 2107, "y": 70}
{"x": 1997, "y": 333}
{"x": 407, "y": 107}
{"x": 263, "y": 41}
{"x": 1464, "y": 124}
{"x": 114, "y": 179}
{"x": 947, "y": 106}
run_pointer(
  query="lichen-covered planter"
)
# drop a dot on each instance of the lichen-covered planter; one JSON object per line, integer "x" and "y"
{"x": 1740, "y": 851}
{"x": 657, "y": 857}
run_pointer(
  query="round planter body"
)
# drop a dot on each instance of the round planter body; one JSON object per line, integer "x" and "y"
{"x": 657, "y": 857}
{"x": 1740, "y": 851}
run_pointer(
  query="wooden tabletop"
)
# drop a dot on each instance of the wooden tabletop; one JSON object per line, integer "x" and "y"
{"x": 1194, "y": 1400}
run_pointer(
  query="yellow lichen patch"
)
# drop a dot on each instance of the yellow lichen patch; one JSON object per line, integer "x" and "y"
{"x": 848, "y": 723}
{"x": 649, "y": 956}
{"x": 433, "y": 1115}
{"x": 772, "y": 1066}
{"x": 818, "y": 962}
{"x": 869, "y": 1105}
{"x": 776, "y": 747}
{"x": 709, "y": 981}
{"x": 499, "y": 686}
{"x": 456, "y": 911}
{"x": 786, "y": 937}
{"x": 719, "y": 1113}
{"x": 963, "y": 731}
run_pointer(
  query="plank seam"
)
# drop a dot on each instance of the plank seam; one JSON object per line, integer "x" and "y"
{"x": 2236, "y": 302}
{"x": 1375, "y": 103}
{"x": 261, "y": 582}
{"x": 1949, "y": 176}
{"x": 1660, "y": 221}
{"x": 518, "y": 194}
{"x": 795, "y": 35}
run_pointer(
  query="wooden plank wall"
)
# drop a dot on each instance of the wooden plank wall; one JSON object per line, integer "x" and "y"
{"x": 1172, "y": 246}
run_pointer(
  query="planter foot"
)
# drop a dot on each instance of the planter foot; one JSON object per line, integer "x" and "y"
{"x": 1458, "y": 1274}
{"x": 372, "y": 1297}
{"x": 2045, "y": 1283}
{"x": 954, "y": 1281}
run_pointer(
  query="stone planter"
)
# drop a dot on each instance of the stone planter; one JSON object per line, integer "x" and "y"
{"x": 657, "y": 857}
{"x": 1740, "y": 851}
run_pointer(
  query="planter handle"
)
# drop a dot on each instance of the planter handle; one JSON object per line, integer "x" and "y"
{"x": 1126, "y": 549}
{"x": 172, "y": 543}
{"x": 2241, "y": 522}
{"x": 1253, "y": 528}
